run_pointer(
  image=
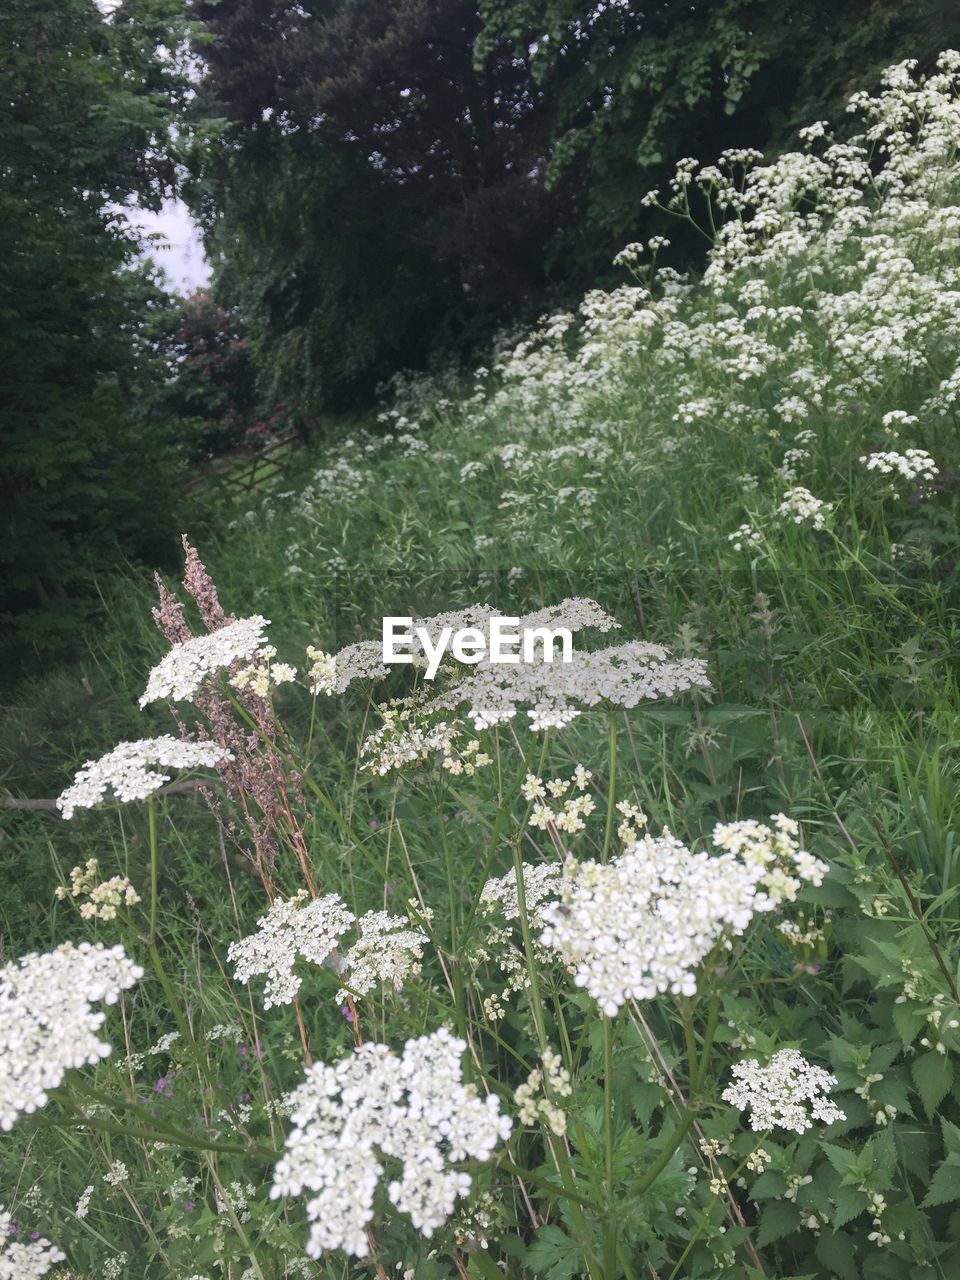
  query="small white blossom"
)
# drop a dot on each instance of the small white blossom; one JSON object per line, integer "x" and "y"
{"x": 125, "y": 770}
{"x": 374, "y": 1106}
{"x": 788, "y": 1093}
{"x": 289, "y": 929}
{"x": 24, "y": 1260}
{"x": 183, "y": 670}
{"x": 47, "y": 1024}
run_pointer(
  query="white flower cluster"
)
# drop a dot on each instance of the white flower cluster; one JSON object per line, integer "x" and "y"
{"x": 333, "y": 673}
{"x": 47, "y": 1024}
{"x": 263, "y": 675}
{"x": 24, "y": 1260}
{"x": 911, "y": 465}
{"x": 183, "y": 670}
{"x": 289, "y": 929}
{"x": 407, "y": 737}
{"x": 387, "y": 951}
{"x": 413, "y": 1109}
{"x": 125, "y": 770}
{"x": 569, "y": 816}
{"x": 104, "y": 897}
{"x": 621, "y": 675}
{"x": 642, "y": 923}
{"x": 745, "y": 537}
{"x": 779, "y": 1094}
{"x": 536, "y": 1097}
{"x": 541, "y": 884}
{"x": 800, "y": 506}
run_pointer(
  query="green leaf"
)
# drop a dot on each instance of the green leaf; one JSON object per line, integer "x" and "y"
{"x": 777, "y": 1220}
{"x": 945, "y": 1183}
{"x": 844, "y": 1161}
{"x": 933, "y": 1075}
{"x": 850, "y": 1203}
{"x": 908, "y": 1020}
{"x": 554, "y": 1255}
{"x": 837, "y": 1252}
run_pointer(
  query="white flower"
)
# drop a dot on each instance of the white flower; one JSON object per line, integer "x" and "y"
{"x": 47, "y": 1024}
{"x": 779, "y": 1094}
{"x": 800, "y": 506}
{"x": 289, "y": 929}
{"x": 373, "y": 1106}
{"x": 24, "y": 1260}
{"x": 125, "y": 770}
{"x": 387, "y": 951}
{"x": 641, "y": 924}
{"x": 541, "y": 884}
{"x": 183, "y": 670}
{"x": 745, "y": 536}
{"x": 911, "y": 465}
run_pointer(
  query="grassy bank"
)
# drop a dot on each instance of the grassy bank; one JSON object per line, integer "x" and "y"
{"x": 757, "y": 470}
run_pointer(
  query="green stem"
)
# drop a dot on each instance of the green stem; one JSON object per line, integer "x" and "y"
{"x": 611, "y": 789}
{"x": 154, "y": 869}
{"x": 610, "y": 1228}
{"x": 676, "y": 1137}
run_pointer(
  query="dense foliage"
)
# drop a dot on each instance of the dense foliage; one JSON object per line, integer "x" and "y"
{"x": 398, "y": 179}
{"x": 663, "y": 988}
{"x": 84, "y": 112}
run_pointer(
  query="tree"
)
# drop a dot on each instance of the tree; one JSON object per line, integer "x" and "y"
{"x": 84, "y": 111}
{"x": 377, "y": 195}
{"x": 634, "y": 88}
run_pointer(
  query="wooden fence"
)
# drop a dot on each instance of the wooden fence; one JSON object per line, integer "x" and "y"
{"x": 246, "y": 468}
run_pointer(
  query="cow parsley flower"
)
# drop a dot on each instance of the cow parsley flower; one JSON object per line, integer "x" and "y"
{"x": 183, "y": 670}
{"x": 911, "y": 465}
{"x": 779, "y": 1094}
{"x": 103, "y": 896}
{"x": 554, "y": 693}
{"x": 47, "y": 1024}
{"x": 541, "y": 884}
{"x": 24, "y": 1260}
{"x": 288, "y": 930}
{"x": 125, "y": 770}
{"x": 800, "y": 506}
{"x": 386, "y": 951}
{"x": 536, "y": 1098}
{"x": 641, "y": 924}
{"x": 376, "y": 1110}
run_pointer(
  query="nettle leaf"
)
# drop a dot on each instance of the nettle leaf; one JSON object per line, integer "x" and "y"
{"x": 908, "y": 1020}
{"x": 880, "y": 1157}
{"x": 777, "y": 1220}
{"x": 883, "y": 1056}
{"x": 951, "y": 1136}
{"x": 850, "y": 1203}
{"x": 933, "y": 1075}
{"x": 845, "y": 1162}
{"x": 554, "y": 1255}
{"x": 837, "y": 1252}
{"x": 771, "y": 1183}
{"x": 945, "y": 1183}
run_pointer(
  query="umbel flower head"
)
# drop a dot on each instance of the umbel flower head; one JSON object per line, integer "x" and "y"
{"x": 27, "y": 1259}
{"x": 47, "y": 1024}
{"x": 385, "y": 950}
{"x": 412, "y": 1110}
{"x": 288, "y": 930}
{"x": 183, "y": 670}
{"x": 779, "y": 1094}
{"x": 641, "y": 924}
{"x": 125, "y": 770}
